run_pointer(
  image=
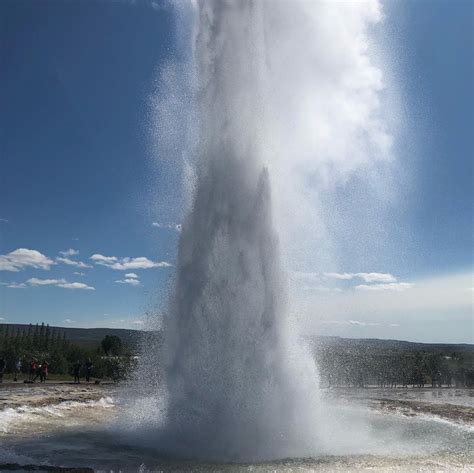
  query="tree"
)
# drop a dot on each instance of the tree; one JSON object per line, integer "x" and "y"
{"x": 112, "y": 345}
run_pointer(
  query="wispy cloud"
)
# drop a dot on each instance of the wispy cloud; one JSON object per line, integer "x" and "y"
{"x": 339, "y": 276}
{"x": 65, "y": 259}
{"x": 22, "y": 258}
{"x": 4, "y": 220}
{"x": 44, "y": 282}
{"x": 76, "y": 285}
{"x": 130, "y": 281}
{"x": 103, "y": 260}
{"x": 402, "y": 304}
{"x": 70, "y": 252}
{"x": 59, "y": 283}
{"x": 397, "y": 286}
{"x": 357, "y": 323}
{"x": 16, "y": 285}
{"x": 131, "y": 275}
{"x": 126, "y": 263}
{"x": 376, "y": 277}
{"x": 2, "y": 319}
{"x": 77, "y": 273}
{"x": 69, "y": 321}
{"x": 71, "y": 262}
{"x": 337, "y": 282}
{"x": 367, "y": 277}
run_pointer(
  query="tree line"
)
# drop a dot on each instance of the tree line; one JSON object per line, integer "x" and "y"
{"x": 362, "y": 367}
{"x": 111, "y": 359}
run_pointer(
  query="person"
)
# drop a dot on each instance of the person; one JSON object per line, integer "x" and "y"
{"x": 32, "y": 370}
{"x": 77, "y": 372}
{"x": 38, "y": 371}
{"x": 44, "y": 372}
{"x": 89, "y": 367}
{"x": 17, "y": 369}
{"x": 2, "y": 369}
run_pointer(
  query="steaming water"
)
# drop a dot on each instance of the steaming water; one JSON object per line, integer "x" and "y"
{"x": 237, "y": 383}
{"x": 239, "y": 386}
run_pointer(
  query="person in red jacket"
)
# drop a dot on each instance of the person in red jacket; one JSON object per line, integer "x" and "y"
{"x": 44, "y": 371}
{"x": 33, "y": 367}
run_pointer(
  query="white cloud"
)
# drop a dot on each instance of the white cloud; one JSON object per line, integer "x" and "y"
{"x": 131, "y": 281}
{"x": 396, "y": 286}
{"x": 59, "y": 283}
{"x": 131, "y": 275}
{"x": 351, "y": 322}
{"x": 44, "y": 282}
{"x": 69, "y": 321}
{"x": 442, "y": 301}
{"x": 367, "y": 277}
{"x": 77, "y": 273}
{"x": 104, "y": 260}
{"x": 70, "y": 262}
{"x": 22, "y": 258}
{"x": 76, "y": 285}
{"x": 138, "y": 322}
{"x": 339, "y": 276}
{"x": 70, "y": 252}
{"x": 3, "y": 220}
{"x": 126, "y": 263}
{"x": 16, "y": 285}
{"x": 377, "y": 277}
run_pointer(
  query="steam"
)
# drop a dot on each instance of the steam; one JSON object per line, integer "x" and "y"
{"x": 278, "y": 107}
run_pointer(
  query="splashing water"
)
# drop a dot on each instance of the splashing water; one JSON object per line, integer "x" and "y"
{"x": 238, "y": 383}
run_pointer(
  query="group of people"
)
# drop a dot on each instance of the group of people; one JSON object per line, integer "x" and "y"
{"x": 78, "y": 369}
{"x": 37, "y": 370}
{"x": 3, "y": 366}
{"x": 41, "y": 369}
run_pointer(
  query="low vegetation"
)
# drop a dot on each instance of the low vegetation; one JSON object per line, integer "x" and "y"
{"x": 111, "y": 358}
{"x": 342, "y": 362}
{"x": 394, "y": 364}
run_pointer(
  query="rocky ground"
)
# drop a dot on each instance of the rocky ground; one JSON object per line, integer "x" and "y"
{"x": 453, "y": 404}
{"x": 14, "y": 395}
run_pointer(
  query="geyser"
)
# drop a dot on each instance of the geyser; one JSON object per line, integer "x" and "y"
{"x": 237, "y": 384}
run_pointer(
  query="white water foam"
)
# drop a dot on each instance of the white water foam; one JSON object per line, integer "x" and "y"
{"x": 11, "y": 418}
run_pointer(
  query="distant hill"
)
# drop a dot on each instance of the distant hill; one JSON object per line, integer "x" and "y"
{"x": 377, "y": 344}
{"x": 91, "y": 338}
{"x": 88, "y": 337}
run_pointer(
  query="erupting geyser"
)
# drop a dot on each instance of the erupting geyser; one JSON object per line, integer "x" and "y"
{"x": 237, "y": 384}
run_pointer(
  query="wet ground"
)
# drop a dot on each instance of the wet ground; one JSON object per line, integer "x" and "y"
{"x": 66, "y": 425}
{"x": 454, "y": 404}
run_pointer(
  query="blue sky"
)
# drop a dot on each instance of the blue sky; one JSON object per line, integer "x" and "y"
{"x": 76, "y": 169}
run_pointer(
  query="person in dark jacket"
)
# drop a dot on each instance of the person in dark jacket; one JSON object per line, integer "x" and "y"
{"x": 2, "y": 369}
{"x": 89, "y": 367}
{"x": 17, "y": 369}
